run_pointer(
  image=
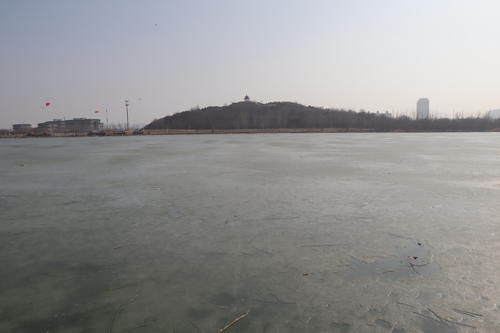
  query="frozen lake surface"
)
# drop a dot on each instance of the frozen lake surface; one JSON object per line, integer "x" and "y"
{"x": 304, "y": 232}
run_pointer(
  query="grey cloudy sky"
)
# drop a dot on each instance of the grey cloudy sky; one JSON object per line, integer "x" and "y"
{"x": 168, "y": 56}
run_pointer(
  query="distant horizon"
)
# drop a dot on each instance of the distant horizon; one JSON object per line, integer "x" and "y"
{"x": 169, "y": 56}
{"x": 411, "y": 114}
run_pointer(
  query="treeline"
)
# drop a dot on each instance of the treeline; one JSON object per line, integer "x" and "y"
{"x": 250, "y": 115}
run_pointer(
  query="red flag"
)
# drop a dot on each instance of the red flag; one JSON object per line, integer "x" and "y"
{"x": 47, "y": 104}
{"x": 97, "y": 111}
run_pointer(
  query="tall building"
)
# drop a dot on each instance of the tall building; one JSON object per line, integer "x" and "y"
{"x": 423, "y": 108}
{"x": 494, "y": 114}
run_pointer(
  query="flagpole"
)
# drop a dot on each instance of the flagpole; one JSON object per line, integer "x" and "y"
{"x": 107, "y": 127}
{"x": 126, "y": 108}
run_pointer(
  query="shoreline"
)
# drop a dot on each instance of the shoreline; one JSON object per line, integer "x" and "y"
{"x": 296, "y": 130}
{"x": 232, "y": 131}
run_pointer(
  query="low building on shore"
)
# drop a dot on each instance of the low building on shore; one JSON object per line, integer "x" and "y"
{"x": 53, "y": 126}
{"x": 83, "y": 125}
{"x": 21, "y": 128}
{"x": 76, "y": 125}
{"x": 4, "y": 132}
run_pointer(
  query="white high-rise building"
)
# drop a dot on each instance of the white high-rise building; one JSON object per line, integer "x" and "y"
{"x": 423, "y": 108}
{"x": 494, "y": 114}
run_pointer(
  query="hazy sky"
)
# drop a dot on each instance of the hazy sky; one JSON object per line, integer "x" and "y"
{"x": 166, "y": 56}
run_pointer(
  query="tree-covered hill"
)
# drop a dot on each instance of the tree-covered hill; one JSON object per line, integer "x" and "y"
{"x": 253, "y": 115}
